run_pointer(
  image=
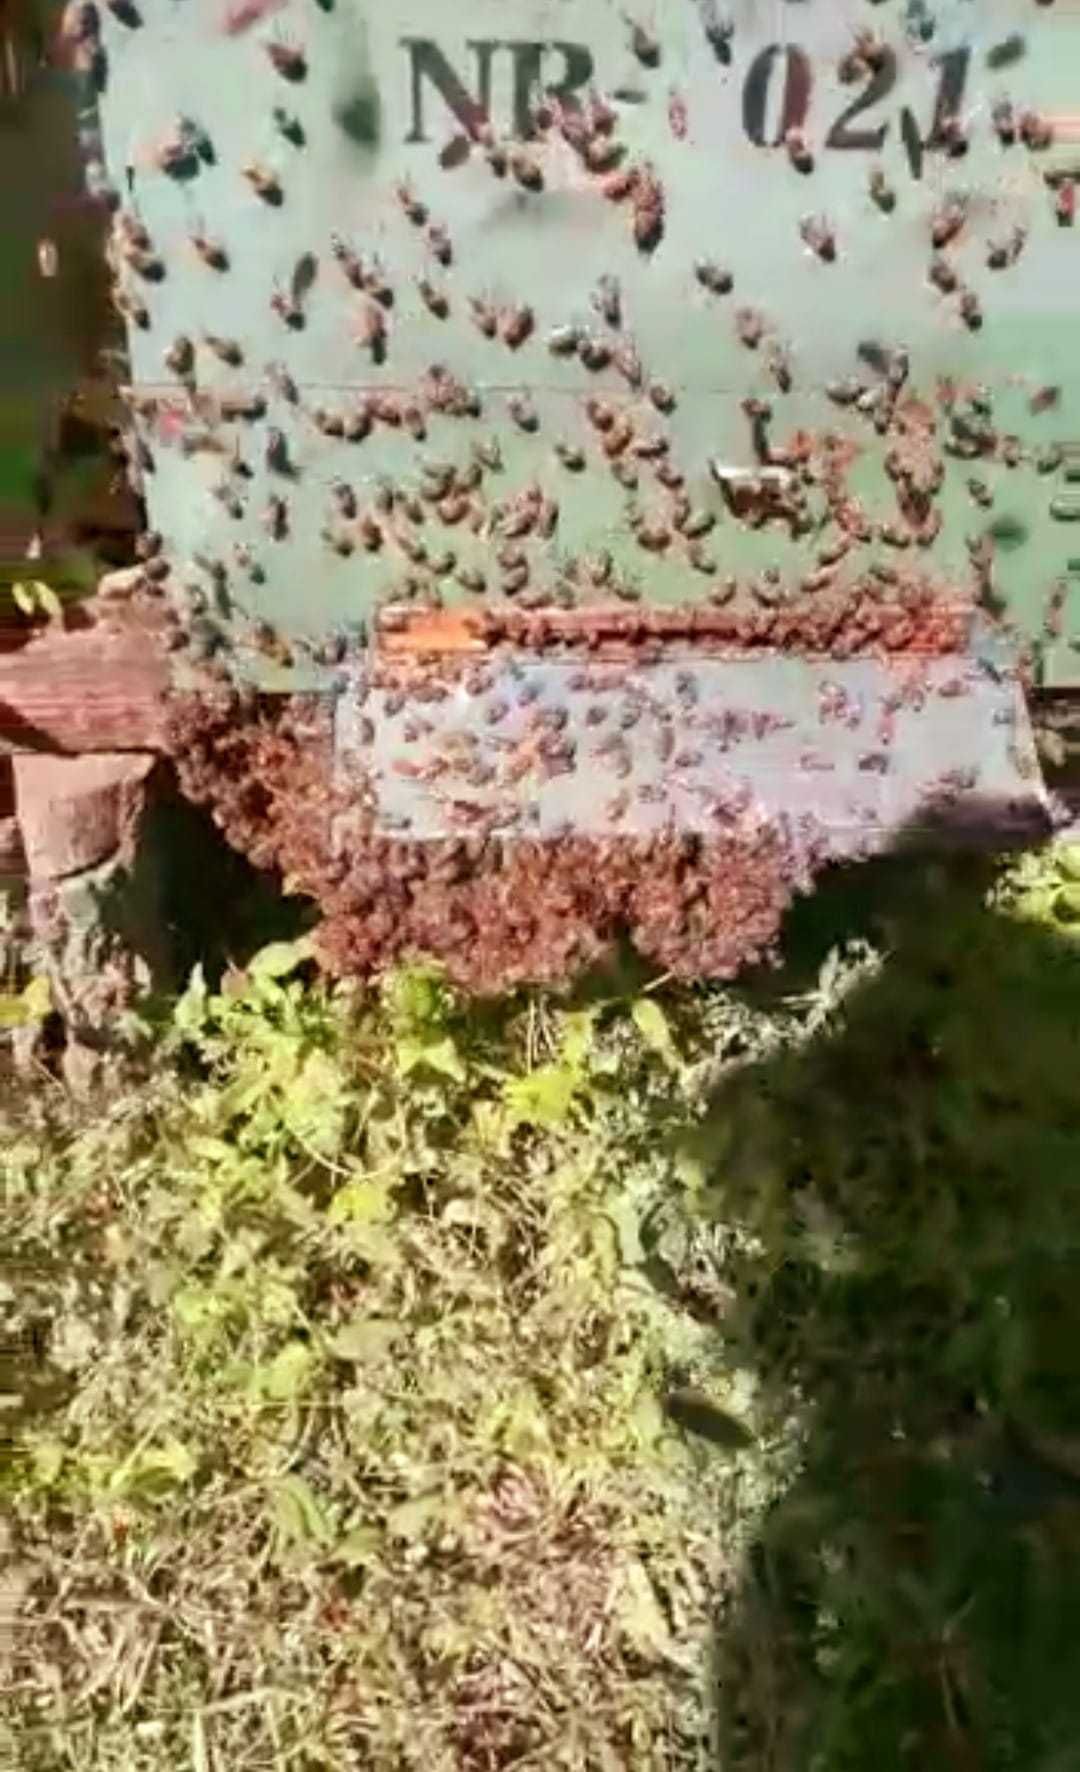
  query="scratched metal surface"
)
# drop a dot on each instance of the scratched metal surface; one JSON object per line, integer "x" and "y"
{"x": 369, "y": 112}
{"x": 846, "y": 756}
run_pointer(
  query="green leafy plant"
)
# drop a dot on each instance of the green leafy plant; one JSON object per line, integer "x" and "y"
{"x": 663, "y": 1379}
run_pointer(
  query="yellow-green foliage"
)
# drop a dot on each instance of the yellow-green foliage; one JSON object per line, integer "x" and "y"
{"x": 353, "y": 1447}
{"x": 396, "y": 1383}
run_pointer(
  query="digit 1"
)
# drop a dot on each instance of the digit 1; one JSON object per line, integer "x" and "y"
{"x": 954, "y": 65}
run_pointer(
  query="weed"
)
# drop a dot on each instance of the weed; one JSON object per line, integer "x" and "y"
{"x": 396, "y": 1382}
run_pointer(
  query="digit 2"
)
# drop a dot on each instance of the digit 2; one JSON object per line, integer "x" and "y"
{"x": 840, "y": 135}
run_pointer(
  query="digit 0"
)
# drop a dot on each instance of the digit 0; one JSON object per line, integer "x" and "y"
{"x": 798, "y": 80}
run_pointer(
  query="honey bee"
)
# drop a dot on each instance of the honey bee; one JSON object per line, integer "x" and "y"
{"x": 227, "y": 350}
{"x": 1035, "y": 132}
{"x": 348, "y": 260}
{"x": 211, "y": 251}
{"x": 344, "y": 498}
{"x": 228, "y": 498}
{"x": 146, "y": 263}
{"x": 947, "y": 221}
{"x": 670, "y": 476}
{"x": 288, "y": 125}
{"x": 276, "y": 452}
{"x": 547, "y": 519}
{"x": 484, "y": 316}
{"x": 264, "y": 182}
{"x": 881, "y": 191}
{"x": 619, "y": 185}
{"x": 340, "y": 540}
{"x": 617, "y": 438}
{"x": 1003, "y": 118}
{"x": 358, "y": 421}
{"x": 649, "y": 207}
{"x": 714, "y": 277}
{"x": 369, "y": 328}
{"x": 644, "y": 44}
{"x": 175, "y": 153}
{"x": 971, "y": 310}
{"x": 697, "y": 524}
{"x": 131, "y": 307}
{"x": 595, "y": 353}
{"x": 942, "y": 274}
{"x": 287, "y": 59}
{"x": 602, "y": 153}
{"x": 411, "y": 204}
{"x": 377, "y": 287}
{"x": 1002, "y": 253}
{"x": 571, "y": 455}
{"x": 749, "y": 327}
{"x": 779, "y": 364}
{"x": 386, "y": 409}
{"x": 650, "y": 445}
{"x": 515, "y": 580}
{"x": 412, "y": 547}
{"x": 487, "y": 454}
{"x": 438, "y": 478}
{"x": 526, "y": 169}
{"x": 627, "y": 360}
{"x": 517, "y": 326}
{"x": 563, "y": 341}
{"x": 654, "y": 537}
{"x": 286, "y": 309}
{"x": 523, "y": 412}
{"x": 247, "y": 562}
{"x": 276, "y": 517}
{"x": 799, "y": 151}
{"x": 370, "y": 531}
{"x": 601, "y": 416}
{"x": 435, "y": 300}
{"x": 453, "y": 508}
{"x": 517, "y": 521}
{"x": 180, "y": 356}
{"x": 820, "y": 236}
{"x": 439, "y": 243}
{"x": 1044, "y": 399}
{"x": 129, "y": 230}
{"x": 80, "y": 22}
{"x": 607, "y": 300}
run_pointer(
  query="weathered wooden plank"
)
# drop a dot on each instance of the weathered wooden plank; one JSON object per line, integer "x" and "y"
{"x": 101, "y": 688}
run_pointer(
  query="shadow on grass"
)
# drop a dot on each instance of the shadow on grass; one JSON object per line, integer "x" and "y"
{"x": 913, "y": 1178}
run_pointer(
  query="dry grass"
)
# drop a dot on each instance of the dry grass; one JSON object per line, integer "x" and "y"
{"x": 389, "y": 1385}
{"x": 336, "y": 1397}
